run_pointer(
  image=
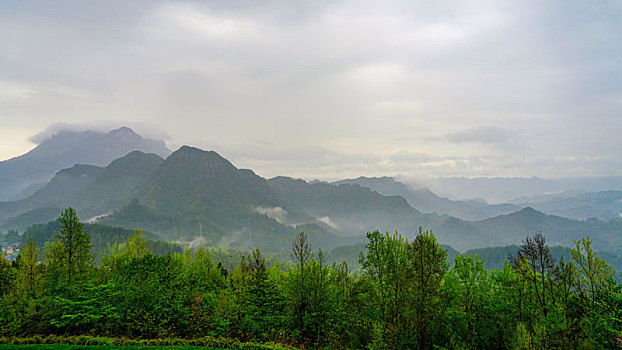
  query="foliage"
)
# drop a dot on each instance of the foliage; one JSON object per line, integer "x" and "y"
{"x": 405, "y": 296}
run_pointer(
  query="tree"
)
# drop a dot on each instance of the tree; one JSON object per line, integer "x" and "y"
{"x": 535, "y": 263}
{"x": 470, "y": 289}
{"x": 301, "y": 254}
{"x": 6, "y": 275}
{"x": 29, "y": 276}
{"x": 70, "y": 257}
{"x": 428, "y": 265}
{"x": 386, "y": 263}
{"x": 6, "y": 286}
{"x": 119, "y": 254}
{"x": 593, "y": 273}
{"x": 597, "y": 291}
{"x": 319, "y": 295}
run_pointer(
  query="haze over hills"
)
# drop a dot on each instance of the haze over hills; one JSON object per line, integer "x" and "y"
{"x": 90, "y": 189}
{"x": 23, "y": 175}
{"x": 199, "y": 193}
{"x": 508, "y": 190}
{"x": 601, "y": 205}
{"x": 351, "y": 209}
{"x": 426, "y": 201}
{"x": 195, "y": 193}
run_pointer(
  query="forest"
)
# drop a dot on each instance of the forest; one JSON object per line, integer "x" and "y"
{"x": 404, "y": 296}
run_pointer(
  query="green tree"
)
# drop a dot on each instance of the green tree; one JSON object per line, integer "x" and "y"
{"x": 470, "y": 289}
{"x": 7, "y": 284}
{"x": 119, "y": 254}
{"x": 301, "y": 254}
{"x": 29, "y": 276}
{"x": 386, "y": 263}
{"x": 596, "y": 292}
{"x": 593, "y": 273}
{"x": 70, "y": 258}
{"x": 6, "y": 276}
{"x": 427, "y": 267}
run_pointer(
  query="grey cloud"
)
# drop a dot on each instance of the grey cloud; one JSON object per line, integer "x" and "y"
{"x": 329, "y": 89}
{"x": 482, "y": 135}
{"x": 101, "y": 126}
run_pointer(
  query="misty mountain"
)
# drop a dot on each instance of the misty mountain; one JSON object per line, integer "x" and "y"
{"x": 355, "y": 210}
{"x": 426, "y": 201}
{"x": 506, "y": 190}
{"x": 195, "y": 193}
{"x": 512, "y": 228}
{"x": 351, "y": 209}
{"x": 199, "y": 193}
{"x": 494, "y": 190}
{"x": 21, "y": 176}
{"x": 90, "y": 189}
{"x": 601, "y": 205}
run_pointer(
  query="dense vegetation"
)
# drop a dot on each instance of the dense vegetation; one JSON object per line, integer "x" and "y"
{"x": 405, "y": 296}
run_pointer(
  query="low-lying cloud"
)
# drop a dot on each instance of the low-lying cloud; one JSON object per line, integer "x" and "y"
{"x": 277, "y": 213}
{"x": 328, "y": 221}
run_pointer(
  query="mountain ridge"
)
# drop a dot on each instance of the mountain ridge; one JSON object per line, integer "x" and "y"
{"x": 426, "y": 201}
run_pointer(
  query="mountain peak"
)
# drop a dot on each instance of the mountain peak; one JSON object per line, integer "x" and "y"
{"x": 66, "y": 148}
{"x": 190, "y": 150}
{"x": 195, "y": 154}
{"x": 123, "y": 131}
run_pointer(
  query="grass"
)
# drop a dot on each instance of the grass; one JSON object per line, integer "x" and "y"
{"x": 88, "y": 347}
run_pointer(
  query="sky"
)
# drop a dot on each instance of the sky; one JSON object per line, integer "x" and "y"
{"x": 328, "y": 89}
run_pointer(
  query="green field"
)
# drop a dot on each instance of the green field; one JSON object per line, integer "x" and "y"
{"x": 85, "y": 347}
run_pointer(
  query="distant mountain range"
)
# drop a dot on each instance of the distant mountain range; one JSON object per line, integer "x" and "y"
{"x": 424, "y": 200}
{"x": 22, "y": 176}
{"x": 196, "y": 194}
{"x": 506, "y": 190}
{"x": 601, "y": 205}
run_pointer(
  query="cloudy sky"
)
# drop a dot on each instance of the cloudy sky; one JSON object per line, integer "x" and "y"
{"x": 328, "y": 89}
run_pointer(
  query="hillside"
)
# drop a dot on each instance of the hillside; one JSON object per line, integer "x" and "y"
{"x": 351, "y": 209}
{"x": 512, "y": 228}
{"x": 90, "y": 189}
{"x": 199, "y": 193}
{"x": 101, "y": 237}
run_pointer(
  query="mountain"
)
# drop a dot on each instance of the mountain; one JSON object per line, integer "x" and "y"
{"x": 601, "y": 205}
{"x": 495, "y": 190}
{"x": 195, "y": 193}
{"x": 21, "y": 176}
{"x": 199, "y": 193}
{"x": 512, "y": 228}
{"x": 504, "y": 190}
{"x": 90, "y": 189}
{"x": 351, "y": 209}
{"x": 355, "y": 210}
{"x": 426, "y": 201}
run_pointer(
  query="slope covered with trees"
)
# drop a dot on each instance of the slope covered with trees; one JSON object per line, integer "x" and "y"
{"x": 90, "y": 189}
